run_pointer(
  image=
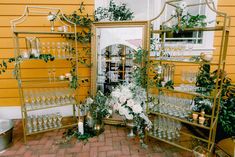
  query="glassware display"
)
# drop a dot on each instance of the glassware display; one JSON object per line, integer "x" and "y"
{"x": 179, "y": 51}
{"x": 166, "y": 72}
{"x": 189, "y": 79}
{"x": 33, "y": 46}
{"x": 166, "y": 128}
{"x": 57, "y": 49}
{"x": 174, "y": 106}
{"x": 42, "y": 122}
{"x": 46, "y": 97}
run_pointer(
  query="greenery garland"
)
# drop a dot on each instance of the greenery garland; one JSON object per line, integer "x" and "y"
{"x": 114, "y": 12}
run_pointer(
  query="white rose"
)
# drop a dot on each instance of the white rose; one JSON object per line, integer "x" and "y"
{"x": 110, "y": 112}
{"x": 122, "y": 99}
{"x": 127, "y": 93}
{"x": 51, "y": 17}
{"x": 129, "y": 116}
{"x": 89, "y": 100}
{"x": 137, "y": 109}
{"x": 182, "y": 5}
{"x": 173, "y": 13}
{"x": 116, "y": 93}
{"x": 123, "y": 111}
{"x": 130, "y": 103}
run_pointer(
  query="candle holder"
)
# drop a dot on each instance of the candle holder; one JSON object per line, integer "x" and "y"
{"x": 130, "y": 124}
{"x": 195, "y": 116}
{"x": 201, "y": 120}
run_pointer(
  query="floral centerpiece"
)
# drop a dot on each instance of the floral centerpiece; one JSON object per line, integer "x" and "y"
{"x": 129, "y": 100}
{"x": 51, "y": 17}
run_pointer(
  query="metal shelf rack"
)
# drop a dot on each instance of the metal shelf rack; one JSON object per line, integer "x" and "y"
{"x": 24, "y": 83}
{"x": 214, "y": 96}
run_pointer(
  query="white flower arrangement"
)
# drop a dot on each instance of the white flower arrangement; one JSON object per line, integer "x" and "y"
{"x": 51, "y": 16}
{"x": 130, "y": 102}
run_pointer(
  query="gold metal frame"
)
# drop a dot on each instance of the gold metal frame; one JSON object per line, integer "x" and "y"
{"x": 125, "y": 24}
{"x": 37, "y": 10}
{"x": 224, "y": 28}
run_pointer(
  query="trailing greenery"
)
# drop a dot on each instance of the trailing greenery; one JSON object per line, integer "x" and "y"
{"x": 3, "y": 67}
{"x": 83, "y": 21}
{"x": 114, "y": 12}
{"x": 140, "y": 73}
{"x": 19, "y": 59}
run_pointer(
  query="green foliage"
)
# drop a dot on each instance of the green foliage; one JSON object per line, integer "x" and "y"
{"x": 99, "y": 108}
{"x": 206, "y": 79}
{"x": 3, "y": 67}
{"x": 73, "y": 132}
{"x": 114, "y": 12}
{"x": 83, "y": 21}
{"x": 140, "y": 73}
{"x": 188, "y": 21}
{"x": 19, "y": 59}
{"x": 227, "y": 102}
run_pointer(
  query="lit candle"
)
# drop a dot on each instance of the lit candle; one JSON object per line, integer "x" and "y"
{"x": 80, "y": 128}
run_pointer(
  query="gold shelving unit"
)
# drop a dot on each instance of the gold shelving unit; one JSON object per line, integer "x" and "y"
{"x": 28, "y": 83}
{"x": 210, "y": 129}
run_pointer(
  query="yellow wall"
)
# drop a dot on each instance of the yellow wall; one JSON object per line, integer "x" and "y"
{"x": 12, "y": 9}
{"x": 228, "y": 6}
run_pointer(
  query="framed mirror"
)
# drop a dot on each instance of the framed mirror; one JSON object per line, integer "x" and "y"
{"x": 113, "y": 47}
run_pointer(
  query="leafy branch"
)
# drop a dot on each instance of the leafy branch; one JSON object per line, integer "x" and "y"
{"x": 114, "y": 12}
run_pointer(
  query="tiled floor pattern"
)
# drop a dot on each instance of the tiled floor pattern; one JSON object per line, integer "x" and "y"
{"x": 112, "y": 143}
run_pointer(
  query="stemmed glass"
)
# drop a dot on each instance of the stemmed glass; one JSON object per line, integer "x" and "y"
{"x": 54, "y": 74}
{"x": 34, "y": 122}
{"x": 28, "y": 105}
{"x": 48, "y": 48}
{"x": 59, "y": 117}
{"x": 58, "y": 50}
{"x": 29, "y": 124}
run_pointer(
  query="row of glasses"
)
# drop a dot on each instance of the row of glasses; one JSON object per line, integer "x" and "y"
{"x": 174, "y": 50}
{"x": 174, "y": 106}
{"x": 166, "y": 128}
{"x": 166, "y": 72}
{"x": 189, "y": 79}
{"x": 48, "y": 97}
{"x": 58, "y": 49}
{"x": 52, "y": 74}
{"x": 41, "y": 122}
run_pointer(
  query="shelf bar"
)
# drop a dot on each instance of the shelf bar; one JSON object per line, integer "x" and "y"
{"x": 43, "y": 108}
{"x": 181, "y": 120}
{"x": 217, "y": 28}
{"x": 189, "y": 93}
{"x": 171, "y": 143}
{"x": 51, "y": 129}
{"x": 179, "y": 61}
{"x": 52, "y": 33}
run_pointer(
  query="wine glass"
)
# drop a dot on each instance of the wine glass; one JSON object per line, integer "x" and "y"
{"x": 58, "y": 50}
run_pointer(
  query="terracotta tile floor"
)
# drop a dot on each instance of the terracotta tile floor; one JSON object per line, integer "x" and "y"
{"x": 113, "y": 142}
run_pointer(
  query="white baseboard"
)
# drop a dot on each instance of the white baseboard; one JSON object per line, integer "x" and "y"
{"x": 14, "y": 112}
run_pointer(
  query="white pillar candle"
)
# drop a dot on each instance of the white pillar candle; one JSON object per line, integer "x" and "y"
{"x": 80, "y": 128}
